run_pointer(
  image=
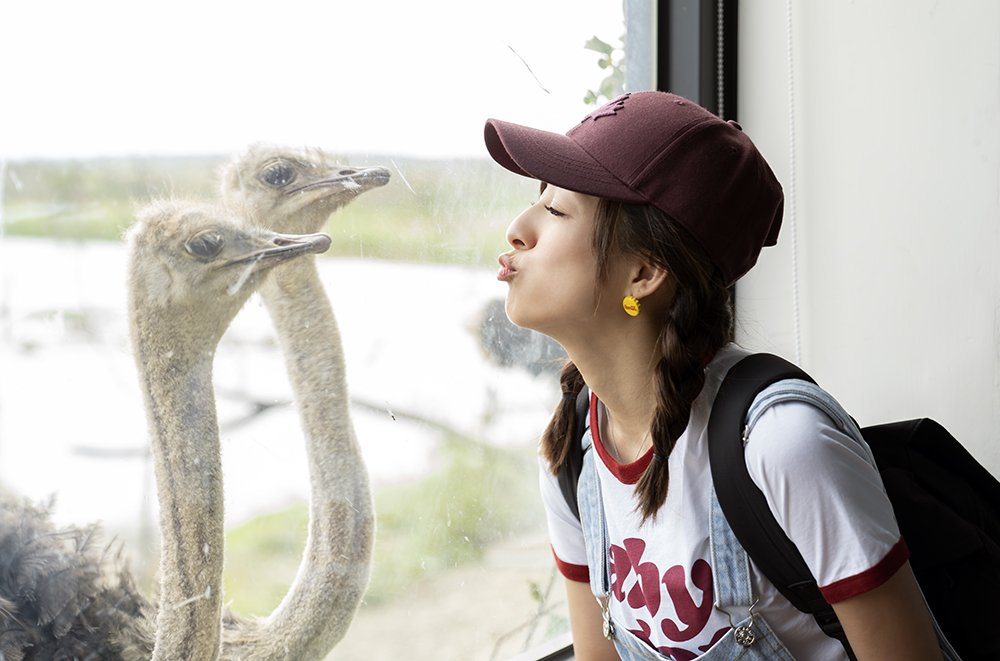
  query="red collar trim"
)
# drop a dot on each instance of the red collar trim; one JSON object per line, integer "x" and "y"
{"x": 627, "y": 473}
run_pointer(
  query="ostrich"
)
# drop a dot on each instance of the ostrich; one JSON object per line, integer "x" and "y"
{"x": 282, "y": 187}
{"x": 191, "y": 268}
{"x": 190, "y": 272}
{"x": 290, "y": 191}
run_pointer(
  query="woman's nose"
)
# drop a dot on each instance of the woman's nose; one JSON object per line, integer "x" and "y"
{"x": 520, "y": 233}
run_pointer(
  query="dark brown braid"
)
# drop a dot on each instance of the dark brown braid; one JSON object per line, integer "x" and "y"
{"x": 697, "y": 324}
{"x": 559, "y": 434}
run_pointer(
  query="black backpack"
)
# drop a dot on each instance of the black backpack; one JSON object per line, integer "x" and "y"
{"x": 947, "y": 506}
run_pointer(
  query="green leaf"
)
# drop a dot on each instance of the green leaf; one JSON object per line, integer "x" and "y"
{"x": 608, "y": 87}
{"x": 596, "y": 44}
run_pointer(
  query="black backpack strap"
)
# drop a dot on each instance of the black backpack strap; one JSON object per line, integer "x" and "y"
{"x": 569, "y": 472}
{"x": 744, "y": 505}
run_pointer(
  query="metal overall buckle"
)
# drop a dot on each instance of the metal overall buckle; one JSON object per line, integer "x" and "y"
{"x": 744, "y": 634}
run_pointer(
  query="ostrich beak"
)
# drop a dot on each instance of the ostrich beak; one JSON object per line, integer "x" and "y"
{"x": 347, "y": 179}
{"x": 271, "y": 249}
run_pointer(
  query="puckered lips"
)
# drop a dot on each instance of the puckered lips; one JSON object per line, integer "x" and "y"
{"x": 506, "y": 268}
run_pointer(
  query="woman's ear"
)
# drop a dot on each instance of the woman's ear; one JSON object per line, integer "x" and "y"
{"x": 649, "y": 279}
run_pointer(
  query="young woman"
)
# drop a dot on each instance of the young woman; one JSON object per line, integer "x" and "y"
{"x": 649, "y": 210}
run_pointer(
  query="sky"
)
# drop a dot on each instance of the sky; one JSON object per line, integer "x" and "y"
{"x": 115, "y": 78}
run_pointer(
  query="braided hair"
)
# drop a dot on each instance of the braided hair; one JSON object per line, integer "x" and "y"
{"x": 697, "y": 323}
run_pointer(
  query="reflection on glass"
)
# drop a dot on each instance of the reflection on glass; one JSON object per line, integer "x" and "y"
{"x": 446, "y": 398}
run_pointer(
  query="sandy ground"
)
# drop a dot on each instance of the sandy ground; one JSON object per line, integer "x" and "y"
{"x": 484, "y": 612}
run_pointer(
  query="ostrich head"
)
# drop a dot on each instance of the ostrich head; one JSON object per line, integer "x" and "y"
{"x": 299, "y": 188}
{"x": 192, "y": 266}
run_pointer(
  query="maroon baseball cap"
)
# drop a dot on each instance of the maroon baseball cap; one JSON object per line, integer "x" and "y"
{"x": 660, "y": 149}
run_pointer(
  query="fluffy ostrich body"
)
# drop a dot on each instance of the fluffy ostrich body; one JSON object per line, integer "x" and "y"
{"x": 291, "y": 191}
{"x": 62, "y": 594}
{"x": 191, "y": 269}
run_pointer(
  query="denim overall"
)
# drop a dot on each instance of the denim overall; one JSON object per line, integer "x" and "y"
{"x": 750, "y": 638}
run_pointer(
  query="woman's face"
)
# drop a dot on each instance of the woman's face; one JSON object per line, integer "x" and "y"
{"x": 552, "y": 269}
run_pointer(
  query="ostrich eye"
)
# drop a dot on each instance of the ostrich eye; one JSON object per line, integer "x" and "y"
{"x": 278, "y": 175}
{"x": 205, "y": 244}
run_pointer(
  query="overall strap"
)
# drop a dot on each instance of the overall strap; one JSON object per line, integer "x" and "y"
{"x": 730, "y": 567}
{"x": 745, "y": 505}
{"x": 593, "y": 520}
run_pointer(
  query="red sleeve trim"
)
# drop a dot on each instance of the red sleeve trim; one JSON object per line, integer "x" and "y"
{"x": 578, "y": 573}
{"x": 870, "y": 579}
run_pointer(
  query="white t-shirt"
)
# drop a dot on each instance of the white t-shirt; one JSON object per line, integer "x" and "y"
{"x": 820, "y": 485}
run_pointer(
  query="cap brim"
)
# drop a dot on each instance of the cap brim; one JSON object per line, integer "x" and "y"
{"x": 553, "y": 158}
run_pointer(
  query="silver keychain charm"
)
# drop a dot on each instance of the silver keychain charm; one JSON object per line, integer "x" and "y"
{"x": 609, "y": 627}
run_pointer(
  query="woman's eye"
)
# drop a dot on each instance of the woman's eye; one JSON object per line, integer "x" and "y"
{"x": 554, "y": 212}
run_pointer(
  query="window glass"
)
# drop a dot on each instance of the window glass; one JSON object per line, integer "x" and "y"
{"x": 110, "y": 104}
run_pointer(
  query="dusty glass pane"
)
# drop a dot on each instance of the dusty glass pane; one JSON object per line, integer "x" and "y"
{"x": 109, "y": 106}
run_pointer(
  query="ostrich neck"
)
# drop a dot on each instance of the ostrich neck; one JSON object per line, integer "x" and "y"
{"x": 175, "y": 373}
{"x": 336, "y": 563}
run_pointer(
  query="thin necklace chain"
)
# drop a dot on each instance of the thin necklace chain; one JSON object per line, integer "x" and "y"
{"x": 611, "y": 432}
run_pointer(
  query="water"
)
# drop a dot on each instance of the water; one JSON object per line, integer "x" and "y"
{"x": 71, "y": 419}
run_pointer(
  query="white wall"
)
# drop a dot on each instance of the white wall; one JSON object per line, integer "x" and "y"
{"x": 897, "y": 134}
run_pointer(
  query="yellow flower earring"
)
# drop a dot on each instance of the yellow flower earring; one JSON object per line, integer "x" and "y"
{"x": 631, "y": 305}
